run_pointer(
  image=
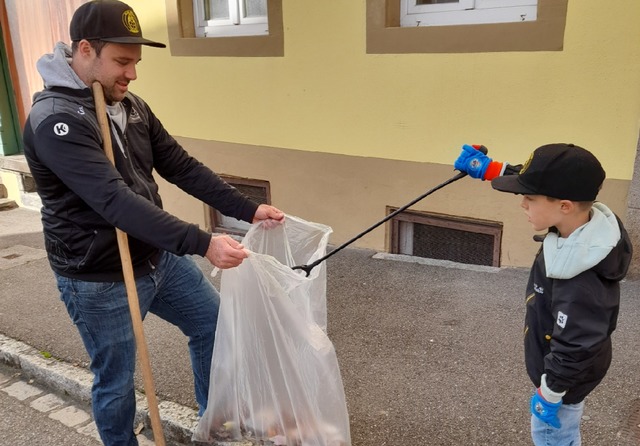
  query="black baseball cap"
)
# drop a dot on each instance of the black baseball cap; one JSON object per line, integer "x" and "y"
{"x": 109, "y": 21}
{"x": 563, "y": 171}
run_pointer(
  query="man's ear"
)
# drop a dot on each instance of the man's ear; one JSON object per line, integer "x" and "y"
{"x": 84, "y": 48}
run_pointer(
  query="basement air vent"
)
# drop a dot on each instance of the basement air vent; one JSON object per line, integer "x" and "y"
{"x": 256, "y": 190}
{"x": 445, "y": 237}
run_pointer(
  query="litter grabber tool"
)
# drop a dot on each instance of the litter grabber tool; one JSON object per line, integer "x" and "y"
{"x": 307, "y": 268}
{"x": 130, "y": 283}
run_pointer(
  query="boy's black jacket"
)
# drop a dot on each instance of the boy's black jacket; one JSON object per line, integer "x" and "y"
{"x": 575, "y": 357}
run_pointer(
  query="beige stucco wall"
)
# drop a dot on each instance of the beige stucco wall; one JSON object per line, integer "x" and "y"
{"x": 12, "y": 184}
{"x": 326, "y": 94}
{"x": 351, "y": 193}
{"x": 340, "y": 133}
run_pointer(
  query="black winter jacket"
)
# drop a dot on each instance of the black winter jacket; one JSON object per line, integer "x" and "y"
{"x": 84, "y": 197}
{"x": 569, "y": 322}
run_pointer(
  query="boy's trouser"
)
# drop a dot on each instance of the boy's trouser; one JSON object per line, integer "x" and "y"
{"x": 570, "y": 415}
{"x": 176, "y": 291}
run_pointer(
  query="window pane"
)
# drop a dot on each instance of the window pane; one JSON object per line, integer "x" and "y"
{"x": 434, "y": 2}
{"x": 216, "y": 9}
{"x": 255, "y": 8}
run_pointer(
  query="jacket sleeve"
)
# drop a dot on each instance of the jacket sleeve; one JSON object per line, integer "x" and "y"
{"x": 175, "y": 165}
{"x": 78, "y": 160}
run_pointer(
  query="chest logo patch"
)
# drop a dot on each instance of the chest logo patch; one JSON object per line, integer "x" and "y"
{"x": 562, "y": 319}
{"x": 135, "y": 116}
{"x": 61, "y": 129}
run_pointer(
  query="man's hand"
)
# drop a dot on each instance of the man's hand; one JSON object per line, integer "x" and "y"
{"x": 269, "y": 216}
{"x": 545, "y": 404}
{"x": 224, "y": 252}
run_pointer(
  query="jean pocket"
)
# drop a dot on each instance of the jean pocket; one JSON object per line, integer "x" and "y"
{"x": 82, "y": 288}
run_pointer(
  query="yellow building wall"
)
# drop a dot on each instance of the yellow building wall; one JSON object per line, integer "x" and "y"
{"x": 341, "y": 134}
{"x": 326, "y": 94}
{"x": 10, "y": 182}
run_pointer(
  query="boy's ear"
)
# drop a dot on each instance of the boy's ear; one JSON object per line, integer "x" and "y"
{"x": 567, "y": 206}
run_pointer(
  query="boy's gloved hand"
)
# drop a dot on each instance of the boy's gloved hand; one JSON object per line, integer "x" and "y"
{"x": 477, "y": 164}
{"x": 545, "y": 404}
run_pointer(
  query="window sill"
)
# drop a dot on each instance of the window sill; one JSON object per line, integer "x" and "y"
{"x": 183, "y": 42}
{"x": 385, "y": 36}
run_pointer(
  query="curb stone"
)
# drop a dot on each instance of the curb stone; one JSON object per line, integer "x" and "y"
{"x": 178, "y": 421}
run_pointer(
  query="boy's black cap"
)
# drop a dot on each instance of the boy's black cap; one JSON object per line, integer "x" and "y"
{"x": 109, "y": 21}
{"x": 563, "y": 171}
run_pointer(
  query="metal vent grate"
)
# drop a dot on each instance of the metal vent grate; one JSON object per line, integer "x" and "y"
{"x": 446, "y": 237}
{"x": 452, "y": 244}
{"x": 255, "y": 193}
{"x": 257, "y": 190}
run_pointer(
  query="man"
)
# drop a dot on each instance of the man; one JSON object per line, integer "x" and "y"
{"x": 84, "y": 197}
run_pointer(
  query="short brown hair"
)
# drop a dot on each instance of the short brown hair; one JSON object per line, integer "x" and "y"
{"x": 96, "y": 44}
{"x": 582, "y": 205}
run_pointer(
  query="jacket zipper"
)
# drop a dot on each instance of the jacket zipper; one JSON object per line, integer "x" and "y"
{"x": 129, "y": 158}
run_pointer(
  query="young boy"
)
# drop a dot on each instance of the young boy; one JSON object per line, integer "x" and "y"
{"x": 573, "y": 292}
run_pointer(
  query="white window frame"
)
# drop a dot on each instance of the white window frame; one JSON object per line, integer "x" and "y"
{"x": 467, "y": 12}
{"x": 237, "y": 24}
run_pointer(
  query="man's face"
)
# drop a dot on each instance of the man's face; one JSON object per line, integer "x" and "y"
{"x": 115, "y": 68}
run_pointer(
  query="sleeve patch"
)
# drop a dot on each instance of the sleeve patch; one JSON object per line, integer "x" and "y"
{"x": 61, "y": 129}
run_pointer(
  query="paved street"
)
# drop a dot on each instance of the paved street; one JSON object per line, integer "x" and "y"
{"x": 31, "y": 415}
{"x": 430, "y": 354}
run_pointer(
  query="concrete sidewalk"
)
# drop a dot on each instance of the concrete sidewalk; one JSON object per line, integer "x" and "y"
{"x": 430, "y": 354}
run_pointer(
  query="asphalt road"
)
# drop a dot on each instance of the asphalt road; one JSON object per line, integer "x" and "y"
{"x": 429, "y": 355}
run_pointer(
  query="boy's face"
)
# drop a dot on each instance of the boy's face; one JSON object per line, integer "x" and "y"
{"x": 542, "y": 212}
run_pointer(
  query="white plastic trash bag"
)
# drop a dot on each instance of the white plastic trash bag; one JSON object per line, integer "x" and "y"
{"x": 275, "y": 373}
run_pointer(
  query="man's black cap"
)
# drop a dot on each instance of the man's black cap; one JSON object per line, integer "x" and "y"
{"x": 109, "y": 21}
{"x": 563, "y": 171}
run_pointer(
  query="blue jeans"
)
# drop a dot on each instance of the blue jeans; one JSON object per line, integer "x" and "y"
{"x": 176, "y": 291}
{"x": 569, "y": 432}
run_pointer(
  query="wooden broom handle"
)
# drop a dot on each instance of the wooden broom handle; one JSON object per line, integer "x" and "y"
{"x": 130, "y": 283}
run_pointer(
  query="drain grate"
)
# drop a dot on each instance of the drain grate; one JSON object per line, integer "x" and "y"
{"x": 631, "y": 428}
{"x": 19, "y": 255}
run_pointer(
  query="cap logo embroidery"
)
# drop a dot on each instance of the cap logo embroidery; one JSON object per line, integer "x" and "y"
{"x": 526, "y": 165}
{"x": 130, "y": 21}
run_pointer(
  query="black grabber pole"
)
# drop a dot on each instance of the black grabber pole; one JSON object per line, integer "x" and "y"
{"x": 307, "y": 268}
